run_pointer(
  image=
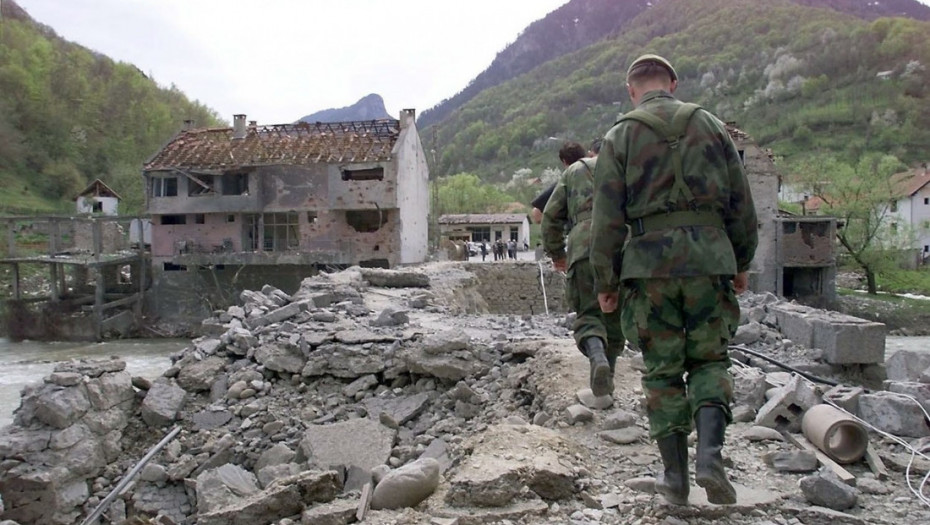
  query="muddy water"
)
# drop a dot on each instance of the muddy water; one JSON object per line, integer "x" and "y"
{"x": 28, "y": 362}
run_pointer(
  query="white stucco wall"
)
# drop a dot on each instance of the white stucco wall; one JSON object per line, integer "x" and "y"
{"x": 86, "y": 205}
{"x": 412, "y": 192}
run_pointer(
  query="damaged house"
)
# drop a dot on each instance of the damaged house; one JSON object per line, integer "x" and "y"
{"x": 235, "y": 207}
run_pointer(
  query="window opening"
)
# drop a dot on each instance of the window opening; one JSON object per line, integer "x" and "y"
{"x": 230, "y": 218}
{"x": 250, "y": 231}
{"x": 165, "y": 187}
{"x": 281, "y": 231}
{"x": 366, "y": 174}
{"x": 366, "y": 221}
{"x": 200, "y": 185}
{"x": 174, "y": 219}
{"x": 235, "y": 184}
{"x": 480, "y": 233}
{"x": 97, "y": 207}
{"x": 199, "y": 218}
{"x": 312, "y": 217}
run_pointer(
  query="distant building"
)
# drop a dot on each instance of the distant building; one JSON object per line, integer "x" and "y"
{"x": 796, "y": 255}
{"x": 97, "y": 198}
{"x": 487, "y": 227}
{"x": 911, "y": 207}
{"x": 283, "y": 201}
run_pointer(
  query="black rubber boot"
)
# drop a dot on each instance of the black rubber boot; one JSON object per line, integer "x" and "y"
{"x": 600, "y": 368}
{"x": 673, "y": 484}
{"x": 711, "y": 422}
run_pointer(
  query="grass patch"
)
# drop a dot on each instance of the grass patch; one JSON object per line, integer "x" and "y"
{"x": 905, "y": 281}
{"x": 902, "y": 315}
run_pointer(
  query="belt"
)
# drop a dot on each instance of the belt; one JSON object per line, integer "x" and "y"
{"x": 675, "y": 219}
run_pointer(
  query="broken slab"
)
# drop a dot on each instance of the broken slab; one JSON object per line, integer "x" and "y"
{"x": 894, "y": 414}
{"x": 906, "y": 365}
{"x": 784, "y": 410}
{"x": 361, "y": 442}
{"x": 162, "y": 404}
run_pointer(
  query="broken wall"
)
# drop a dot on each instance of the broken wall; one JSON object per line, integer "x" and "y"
{"x": 516, "y": 288}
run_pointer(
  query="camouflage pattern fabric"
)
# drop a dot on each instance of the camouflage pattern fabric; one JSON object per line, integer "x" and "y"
{"x": 590, "y": 321}
{"x": 682, "y": 326}
{"x": 569, "y": 206}
{"x": 633, "y": 179}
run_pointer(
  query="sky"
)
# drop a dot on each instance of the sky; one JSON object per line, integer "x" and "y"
{"x": 278, "y": 60}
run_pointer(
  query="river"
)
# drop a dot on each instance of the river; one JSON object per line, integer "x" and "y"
{"x": 29, "y": 361}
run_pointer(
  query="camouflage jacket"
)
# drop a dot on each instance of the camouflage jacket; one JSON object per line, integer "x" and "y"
{"x": 569, "y": 208}
{"x": 633, "y": 179}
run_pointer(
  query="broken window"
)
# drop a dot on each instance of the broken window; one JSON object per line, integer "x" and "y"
{"x": 200, "y": 185}
{"x": 174, "y": 219}
{"x": 366, "y": 174}
{"x": 250, "y": 232}
{"x": 97, "y": 207}
{"x": 235, "y": 184}
{"x": 312, "y": 216}
{"x": 281, "y": 231}
{"x": 164, "y": 187}
{"x": 366, "y": 221}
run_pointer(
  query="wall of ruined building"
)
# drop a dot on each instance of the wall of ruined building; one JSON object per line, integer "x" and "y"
{"x": 412, "y": 192}
{"x": 913, "y": 213}
{"x": 85, "y": 204}
{"x": 172, "y": 239}
{"x": 763, "y": 180}
{"x": 114, "y": 236}
{"x": 183, "y": 203}
{"x": 806, "y": 242}
{"x": 515, "y": 288}
{"x": 179, "y": 300}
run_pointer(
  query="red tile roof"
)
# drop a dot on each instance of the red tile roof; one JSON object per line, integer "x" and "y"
{"x": 288, "y": 144}
{"x": 908, "y": 183}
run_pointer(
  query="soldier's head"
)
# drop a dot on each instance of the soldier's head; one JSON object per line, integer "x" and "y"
{"x": 571, "y": 152}
{"x": 648, "y": 73}
{"x": 595, "y": 147}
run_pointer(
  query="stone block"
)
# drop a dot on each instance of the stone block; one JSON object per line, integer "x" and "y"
{"x": 199, "y": 376}
{"x": 326, "y": 445}
{"x": 894, "y": 414}
{"x": 60, "y": 407}
{"x": 794, "y": 323}
{"x": 919, "y": 391}
{"x": 848, "y": 340}
{"x": 162, "y": 404}
{"x": 906, "y": 365}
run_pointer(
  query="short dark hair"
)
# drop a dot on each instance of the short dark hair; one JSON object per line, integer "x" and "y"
{"x": 571, "y": 152}
{"x": 647, "y": 71}
{"x": 596, "y": 146}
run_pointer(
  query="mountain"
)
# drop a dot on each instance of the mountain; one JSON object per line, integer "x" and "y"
{"x": 69, "y": 115}
{"x": 872, "y": 9}
{"x": 575, "y": 25}
{"x": 370, "y": 107}
{"x": 801, "y": 79}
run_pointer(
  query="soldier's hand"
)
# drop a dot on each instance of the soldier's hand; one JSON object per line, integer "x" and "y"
{"x": 536, "y": 215}
{"x": 608, "y": 301}
{"x": 561, "y": 265}
{"x": 741, "y": 282}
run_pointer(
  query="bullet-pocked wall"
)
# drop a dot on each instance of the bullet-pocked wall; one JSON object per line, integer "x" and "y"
{"x": 516, "y": 287}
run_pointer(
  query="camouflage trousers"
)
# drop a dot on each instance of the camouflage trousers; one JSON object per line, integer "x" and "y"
{"x": 590, "y": 321}
{"x": 682, "y": 326}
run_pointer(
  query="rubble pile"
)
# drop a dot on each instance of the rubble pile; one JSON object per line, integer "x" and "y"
{"x": 376, "y": 396}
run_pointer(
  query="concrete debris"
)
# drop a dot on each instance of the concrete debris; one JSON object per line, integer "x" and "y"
{"x": 398, "y": 390}
{"x": 826, "y": 490}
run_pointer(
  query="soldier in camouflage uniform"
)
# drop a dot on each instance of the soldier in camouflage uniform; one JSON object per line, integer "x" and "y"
{"x": 670, "y": 185}
{"x": 598, "y": 335}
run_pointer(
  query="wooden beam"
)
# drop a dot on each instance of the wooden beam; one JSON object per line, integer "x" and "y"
{"x": 801, "y": 442}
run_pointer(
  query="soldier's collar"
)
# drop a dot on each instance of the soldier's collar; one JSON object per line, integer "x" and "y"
{"x": 656, "y": 93}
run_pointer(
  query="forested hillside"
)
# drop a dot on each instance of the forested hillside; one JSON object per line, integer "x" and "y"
{"x": 804, "y": 81}
{"x": 69, "y": 115}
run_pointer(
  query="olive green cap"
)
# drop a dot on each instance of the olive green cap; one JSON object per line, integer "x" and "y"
{"x": 656, "y": 59}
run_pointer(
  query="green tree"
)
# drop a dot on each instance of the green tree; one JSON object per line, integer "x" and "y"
{"x": 466, "y": 193}
{"x": 860, "y": 196}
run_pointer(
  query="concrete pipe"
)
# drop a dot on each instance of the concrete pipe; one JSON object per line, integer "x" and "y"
{"x": 831, "y": 430}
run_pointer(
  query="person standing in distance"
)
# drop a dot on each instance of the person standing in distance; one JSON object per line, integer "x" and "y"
{"x": 674, "y": 230}
{"x": 597, "y": 335}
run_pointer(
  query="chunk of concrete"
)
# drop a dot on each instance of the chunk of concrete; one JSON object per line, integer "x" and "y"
{"x": 906, "y": 365}
{"x": 784, "y": 410}
{"x": 280, "y": 358}
{"x": 60, "y": 407}
{"x": 849, "y": 340}
{"x": 162, "y": 403}
{"x": 199, "y": 376}
{"x": 362, "y": 442}
{"x": 894, "y": 414}
{"x": 224, "y": 486}
{"x": 827, "y": 490}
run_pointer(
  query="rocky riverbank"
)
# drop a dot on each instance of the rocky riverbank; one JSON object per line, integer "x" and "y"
{"x": 383, "y": 396}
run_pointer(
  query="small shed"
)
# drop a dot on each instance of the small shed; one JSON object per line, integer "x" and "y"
{"x": 98, "y": 199}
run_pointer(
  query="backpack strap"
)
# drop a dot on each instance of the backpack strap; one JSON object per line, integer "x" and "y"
{"x": 672, "y": 133}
